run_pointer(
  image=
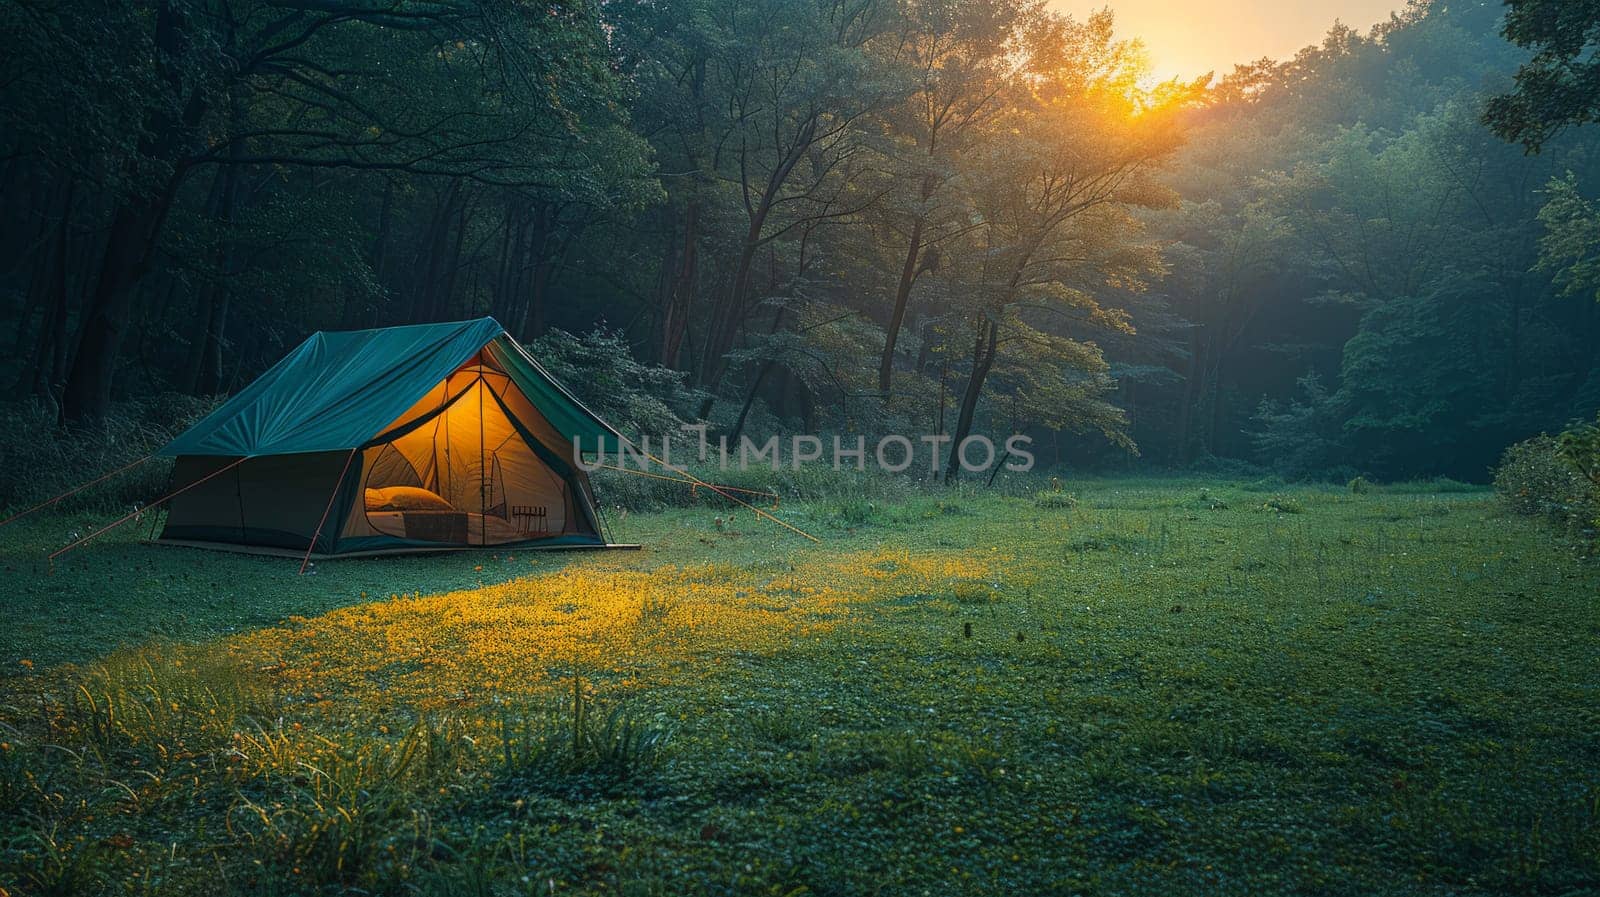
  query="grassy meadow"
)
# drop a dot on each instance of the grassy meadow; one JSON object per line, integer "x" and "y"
{"x": 1145, "y": 687}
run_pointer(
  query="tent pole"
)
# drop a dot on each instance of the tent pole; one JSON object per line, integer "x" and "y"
{"x": 483, "y": 501}
{"x": 327, "y": 510}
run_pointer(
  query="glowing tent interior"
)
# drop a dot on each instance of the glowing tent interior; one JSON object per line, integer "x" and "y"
{"x": 421, "y": 437}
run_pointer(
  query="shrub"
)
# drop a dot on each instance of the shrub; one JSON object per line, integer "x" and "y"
{"x": 1555, "y": 478}
{"x": 600, "y": 369}
{"x": 1359, "y": 486}
{"x": 1301, "y": 438}
{"x": 1062, "y": 501}
{"x": 1579, "y": 444}
{"x": 1282, "y": 505}
{"x": 577, "y": 742}
{"x": 854, "y": 512}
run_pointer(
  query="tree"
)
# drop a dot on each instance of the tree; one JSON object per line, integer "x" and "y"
{"x": 1053, "y": 203}
{"x": 958, "y": 58}
{"x": 1570, "y": 246}
{"x": 760, "y": 108}
{"x": 1560, "y": 86}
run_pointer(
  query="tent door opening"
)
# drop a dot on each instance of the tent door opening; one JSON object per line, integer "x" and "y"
{"x": 457, "y": 470}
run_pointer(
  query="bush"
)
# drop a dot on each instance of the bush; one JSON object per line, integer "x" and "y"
{"x": 1301, "y": 439}
{"x": 1282, "y": 505}
{"x": 854, "y": 512}
{"x": 1359, "y": 486}
{"x": 1061, "y": 501}
{"x": 1554, "y": 478}
{"x": 600, "y": 369}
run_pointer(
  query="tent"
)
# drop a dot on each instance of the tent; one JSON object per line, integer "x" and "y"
{"x": 423, "y": 437}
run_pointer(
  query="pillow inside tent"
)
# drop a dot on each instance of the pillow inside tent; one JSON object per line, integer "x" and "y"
{"x": 405, "y": 498}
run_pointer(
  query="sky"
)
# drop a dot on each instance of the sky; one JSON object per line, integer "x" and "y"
{"x": 1191, "y": 37}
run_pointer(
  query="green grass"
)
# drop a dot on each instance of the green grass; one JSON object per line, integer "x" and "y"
{"x": 1175, "y": 686}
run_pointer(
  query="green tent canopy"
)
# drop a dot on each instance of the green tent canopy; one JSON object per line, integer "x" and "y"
{"x": 402, "y": 438}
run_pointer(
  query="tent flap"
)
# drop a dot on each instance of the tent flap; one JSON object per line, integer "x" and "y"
{"x": 564, "y": 412}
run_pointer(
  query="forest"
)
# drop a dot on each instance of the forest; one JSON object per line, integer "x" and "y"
{"x": 851, "y": 216}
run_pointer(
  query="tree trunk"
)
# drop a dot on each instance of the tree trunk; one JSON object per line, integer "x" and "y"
{"x": 131, "y": 240}
{"x": 750, "y": 399}
{"x": 540, "y": 266}
{"x": 1192, "y": 393}
{"x": 729, "y": 317}
{"x": 136, "y": 224}
{"x": 429, "y": 263}
{"x": 510, "y": 238}
{"x": 447, "y": 289}
{"x": 680, "y": 289}
{"x": 902, "y": 295}
{"x": 1513, "y": 373}
{"x": 360, "y": 315}
{"x": 205, "y": 368}
{"x": 44, "y": 373}
{"x": 755, "y": 385}
{"x": 983, "y": 352}
{"x": 43, "y": 237}
{"x": 725, "y": 324}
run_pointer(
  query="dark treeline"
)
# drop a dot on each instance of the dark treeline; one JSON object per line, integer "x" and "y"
{"x": 920, "y": 216}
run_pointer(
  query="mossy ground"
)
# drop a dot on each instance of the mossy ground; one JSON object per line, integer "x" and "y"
{"x": 1168, "y": 687}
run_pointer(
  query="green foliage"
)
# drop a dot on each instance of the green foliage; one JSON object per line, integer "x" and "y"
{"x": 638, "y": 398}
{"x": 1055, "y": 499}
{"x": 1359, "y": 486}
{"x": 747, "y": 192}
{"x": 856, "y": 512}
{"x": 1554, "y": 89}
{"x": 1557, "y": 478}
{"x": 1301, "y": 438}
{"x": 1570, "y": 244}
{"x": 1326, "y": 213}
{"x": 1580, "y": 446}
